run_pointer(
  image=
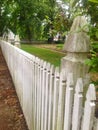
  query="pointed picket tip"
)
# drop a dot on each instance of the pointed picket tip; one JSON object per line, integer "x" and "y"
{"x": 52, "y": 69}
{"x": 41, "y": 63}
{"x": 33, "y": 57}
{"x": 39, "y": 60}
{"x": 62, "y": 77}
{"x": 36, "y": 59}
{"x": 57, "y": 72}
{"x": 44, "y": 64}
{"x": 91, "y": 93}
{"x": 79, "y": 86}
{"x": 48, "y": 66}
{"x": 70, "y": 81}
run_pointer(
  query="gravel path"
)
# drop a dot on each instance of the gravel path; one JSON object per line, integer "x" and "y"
{"x": 11, "y": 116}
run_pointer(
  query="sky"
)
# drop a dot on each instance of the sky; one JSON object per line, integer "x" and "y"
{"x": 62, "y": 4}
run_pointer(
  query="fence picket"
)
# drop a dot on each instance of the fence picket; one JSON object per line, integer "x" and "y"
{"x": 43, "y": 96}
{"x": 55, "y": 98}
{"x": 37, "y": 92}
{"x": 47, "y": 96}
{"x": 33, "y": 96}
{"x": 40, "y": 91}
{"x": 89, "y": 110}
{"x": 51, "y": 89}
{"x": 27, "y": 92}
{"x": 77, "y": 107}
{"x": 36, "y": 69}
{"x": 68, "y": 103}
{"x": 61, "y": 103}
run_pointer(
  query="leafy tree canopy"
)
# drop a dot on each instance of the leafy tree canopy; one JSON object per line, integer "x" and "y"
{"x": 33, "y": 19}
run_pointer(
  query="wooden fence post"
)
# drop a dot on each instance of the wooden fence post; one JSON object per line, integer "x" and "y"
{"x": 77, "y": 48}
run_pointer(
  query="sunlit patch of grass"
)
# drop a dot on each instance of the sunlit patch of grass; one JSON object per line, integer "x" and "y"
{"x": 45, "y": 54}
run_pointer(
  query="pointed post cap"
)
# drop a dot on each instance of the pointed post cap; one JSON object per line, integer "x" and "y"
{"x": 17, "y": 39}
{"x": 78, "y": 39}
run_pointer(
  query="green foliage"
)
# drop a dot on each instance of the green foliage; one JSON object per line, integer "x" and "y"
{"x": 26, "y": 17}
{"x": 93, "y": 11}
{"x": 33, "y": 19}
{"x": 93, "y": 59}
{"x": 94, "y": 1}
{"x": 29, "y": 18}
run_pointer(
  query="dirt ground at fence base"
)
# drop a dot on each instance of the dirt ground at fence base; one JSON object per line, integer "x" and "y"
{"x": 11, "y": 116}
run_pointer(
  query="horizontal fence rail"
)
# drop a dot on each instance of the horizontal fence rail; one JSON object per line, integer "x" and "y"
{"x": 48, "y": 101}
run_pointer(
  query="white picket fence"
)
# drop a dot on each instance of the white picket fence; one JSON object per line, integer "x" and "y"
{"x": 48, "y": 101}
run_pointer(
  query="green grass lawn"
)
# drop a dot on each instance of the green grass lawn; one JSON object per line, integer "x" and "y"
{"x": 45, "y": 54}
{"x": 59, "y": 46}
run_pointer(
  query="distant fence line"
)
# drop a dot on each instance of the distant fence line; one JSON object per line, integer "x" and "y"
{"x": 48, "y": 101}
